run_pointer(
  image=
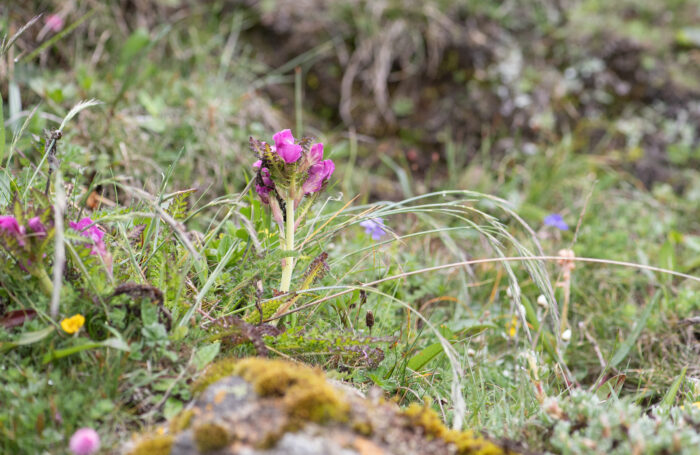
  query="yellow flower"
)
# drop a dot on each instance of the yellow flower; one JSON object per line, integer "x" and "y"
{"x": 73, "y": 323}
{"x": 512, "y": 326}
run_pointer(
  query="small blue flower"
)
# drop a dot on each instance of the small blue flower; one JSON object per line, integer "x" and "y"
{"x": 375, "y": 227}
{"x": 556, "y": 220}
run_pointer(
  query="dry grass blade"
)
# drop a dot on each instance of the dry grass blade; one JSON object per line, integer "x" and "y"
{"x": 484, "y": 261}
{"x": 7, "y": 44}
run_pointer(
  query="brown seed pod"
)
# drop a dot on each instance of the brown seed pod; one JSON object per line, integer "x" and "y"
{"x": 369, "y": 319}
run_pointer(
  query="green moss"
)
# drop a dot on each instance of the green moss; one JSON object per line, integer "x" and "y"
{"x": 210, "y": 436}
{"x": 305, "y": 393}
{"x": 467, "y": 442}
{"x": 268, "y": 310}
{"x": 215, "y": 371}
{"x": 363, "y": 428}
{"x": 181, "y": 421}
{"x": 154, "y": 445}
{"x": 316, "y": 403}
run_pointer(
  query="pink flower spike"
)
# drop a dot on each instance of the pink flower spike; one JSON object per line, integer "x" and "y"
{"x": 285, "y": 146}
{"x": 257, "y": 164}
{"x": 85, "y": 441}
{"x": 37, "y": 226}
{"x": 54, "y": 22}
{"x": 10, "y": 226}
{"x": 316, "y": 154}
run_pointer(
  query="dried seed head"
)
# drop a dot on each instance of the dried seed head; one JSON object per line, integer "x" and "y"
{"x": 369, "y": 319}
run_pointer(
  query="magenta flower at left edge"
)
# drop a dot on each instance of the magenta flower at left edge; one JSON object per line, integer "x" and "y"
{"x": 10, "y": 226}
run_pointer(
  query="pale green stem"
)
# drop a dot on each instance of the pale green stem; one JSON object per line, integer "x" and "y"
{"x": 288, "y": 266}
{"x": 44, "y": 281}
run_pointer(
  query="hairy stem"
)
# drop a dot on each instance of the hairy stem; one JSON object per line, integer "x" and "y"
{"x": 44, "y": 281}
{"x": 288, "y": 266}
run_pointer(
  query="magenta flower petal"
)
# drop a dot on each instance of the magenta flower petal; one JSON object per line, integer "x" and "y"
{"x": 37, "y": 226}
{"x": 316, "y": 153}
{"x": 85, "y": 441}
{"x": 10, "y": 226}
{"x": 263, "y": 192}
{"x": 329, "y": 168}
{"x": 93, "y": 232}
{"x": 285, "y": 146}
{"x": 267, "y": 180}
{"x": 257, "y": 164}
{"x": 318, "y": 173}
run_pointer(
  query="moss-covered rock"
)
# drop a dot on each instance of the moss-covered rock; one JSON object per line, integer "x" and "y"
{"x": 153, "y": 445}
{"x": 275, "y": 407}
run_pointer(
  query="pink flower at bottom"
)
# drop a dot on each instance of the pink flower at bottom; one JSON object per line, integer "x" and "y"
{"x": 85, "y": 441}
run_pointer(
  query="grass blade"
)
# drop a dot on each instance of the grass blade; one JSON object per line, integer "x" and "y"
{"x": 629, "y": 342}
{"x": 672, "y": 391}
{"x": 2, "y": 131}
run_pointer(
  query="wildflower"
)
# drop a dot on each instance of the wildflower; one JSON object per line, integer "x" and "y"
{"x": 264, "y": 183}
{"x": 285, "y": 146}
{"x": 542, "y": 301}
{"x": 263, "y": 192}
{"x": 512, "y": 326}
{"x": 88, "y": 229}
{"x": 54, "y": 22}
{"x": 318, "y": 174}
{"x": 10, "y": 226}
{"x": 37, "y": 226}
{"x": 85, "y": 441}
{"x": 566, "y": 336}
{"x": 556, "y": 220}
{"x": 567, "y": 260}
{"x": 375, "y": 227}
{"x": 316, "y": 154}
{"x": 73, "y": 324}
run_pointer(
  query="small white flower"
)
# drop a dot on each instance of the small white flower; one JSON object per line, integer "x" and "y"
{"x": 566, "y": 336}
{"x": 542, "y": 301}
